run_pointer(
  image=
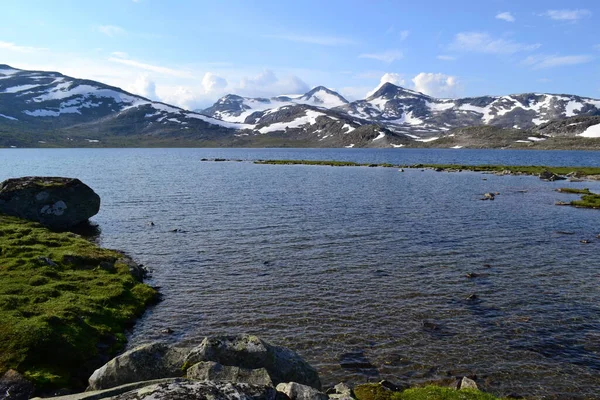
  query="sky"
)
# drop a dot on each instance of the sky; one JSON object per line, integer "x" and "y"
{"x": 192, "y": 52}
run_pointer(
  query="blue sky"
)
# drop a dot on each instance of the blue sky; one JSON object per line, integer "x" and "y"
{"x": 190, "y": 53}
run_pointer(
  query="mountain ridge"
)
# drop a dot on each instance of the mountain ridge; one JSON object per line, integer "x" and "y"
{"x": 40, "y": 108}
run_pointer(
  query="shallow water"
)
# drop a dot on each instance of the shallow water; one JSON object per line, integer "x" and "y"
{"x": 369, "y": 262}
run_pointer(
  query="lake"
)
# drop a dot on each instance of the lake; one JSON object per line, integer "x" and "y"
{"x": 359, "y": 265}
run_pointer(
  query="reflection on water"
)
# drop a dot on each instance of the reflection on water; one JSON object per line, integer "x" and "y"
{"x": 369, "y": 273}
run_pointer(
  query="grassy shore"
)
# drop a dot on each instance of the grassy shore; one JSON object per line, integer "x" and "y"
{"x": 588, "y": 199}
{"x": 511, "y": 169}
{"x": 375, "y": 391}
{"x": 64, "y": 304}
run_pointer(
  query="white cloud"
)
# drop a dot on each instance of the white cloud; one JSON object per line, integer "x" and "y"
{"x": 480, "y": 42}
{"x": 19, "y": 49}
{"x": 150, "y": 67}
{"x": 404, "y": 34}
{"x": 567, "y": 15}
{"x": 144, "y": 86}
{"x": 387, "y": 56}
{"x": 213, "y": 83}
{"x": 389, "y": 77}
{"x": 550, "y": 61}
{"x": 266, "y": 84}
{"x": 111, "y": 30}
{"x": 181, "y": 96}
{"x": 320, "y": 40}
{"x": 119, "y": 54}
{"x": 437, "y": 85}
{"x": 444, "y": 57}
{"x": 505, "y": 16}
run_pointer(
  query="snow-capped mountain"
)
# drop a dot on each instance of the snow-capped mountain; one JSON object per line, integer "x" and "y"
{"x": 36, "y": 100}
{"x": 234, "y": 108}
{"x": 51, "y": 109}
{"x": 413, "y": 112}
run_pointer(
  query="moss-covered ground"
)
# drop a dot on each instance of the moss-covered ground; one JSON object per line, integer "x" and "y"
{"x": 588, "y": 200}
{"x": 64, "y": 303}
{"x": 511, "y": 169}
{"x": 375, "y": 391}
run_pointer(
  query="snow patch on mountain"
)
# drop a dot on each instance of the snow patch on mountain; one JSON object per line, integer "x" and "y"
{"x": 7, "y": 117}
{"x": 309, "y": 118}
{"x": 20, "y": 88}
{"x": 591, "y": 132}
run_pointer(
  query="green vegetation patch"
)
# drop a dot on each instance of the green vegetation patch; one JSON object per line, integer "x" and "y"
{"x": 574, "y": 190}
{"x": 442, "y": 393}
{"x": 514, "y": 169}
{"x": 510, "y": 169}
{"x": 64, "y": 303}
{"x": 588, "y": 200}
{"x": 375, "y": 391}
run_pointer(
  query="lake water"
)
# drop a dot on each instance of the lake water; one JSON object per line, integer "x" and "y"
{"x": 363, "y": 264}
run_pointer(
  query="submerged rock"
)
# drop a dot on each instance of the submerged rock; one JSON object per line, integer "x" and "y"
{"x": 58, "y": 203}
{"x": 251, "y": 352}
{"x": 146, "y": 362}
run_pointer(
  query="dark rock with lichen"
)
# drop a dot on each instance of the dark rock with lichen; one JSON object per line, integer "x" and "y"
{"x": 58, "y": 203}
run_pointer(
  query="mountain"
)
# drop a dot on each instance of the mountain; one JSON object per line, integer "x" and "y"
{"x": 53, "y": 108}
{"x": 234, "y": 108}
{"x": 49, "y": 109}
{"x": 415, "y": 113}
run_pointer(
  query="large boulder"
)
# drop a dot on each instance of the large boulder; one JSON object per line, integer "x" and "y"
{"x": 143, "y": 363}
{"x": 58, "y": 203}
{"x": 251, "y": 352}
{"x": 186, "y": 390}
{"x": 212, "y": 371}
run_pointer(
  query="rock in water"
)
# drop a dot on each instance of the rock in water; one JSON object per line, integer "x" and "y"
{"x": 251, "y": 352}
{"x": 58, "y": 203}
{"x": 145, "y": 362}
{"x": 186, "y": 390}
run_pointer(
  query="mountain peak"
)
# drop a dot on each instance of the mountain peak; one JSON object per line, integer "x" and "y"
{"x": 324, "y": 97}
{"x": 389, "y": 91}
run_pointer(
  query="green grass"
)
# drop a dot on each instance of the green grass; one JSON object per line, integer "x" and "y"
{"x": 64, "y": 303}
{"x": 588, "y": 200}
{"x": 513, "y": 169}
{"x": 574, "y": 191}
{"x": 375, "y": 391}
{"x": 442, "y": 393}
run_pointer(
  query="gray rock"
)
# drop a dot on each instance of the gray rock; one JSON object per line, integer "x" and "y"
{"x": 246, "y": 351}
{"x": 106, "y": 393}
{"x": 550, "y": 176}
{"x": 13, "y": 386}
{"x": 146, "y": 362}
{"x": 296, "y": 391}
{"x": 466, "y": 383}
{"x": 58, "y": 203}
{"x": 212, "y": 371}
{"x": 186, "y": 390}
